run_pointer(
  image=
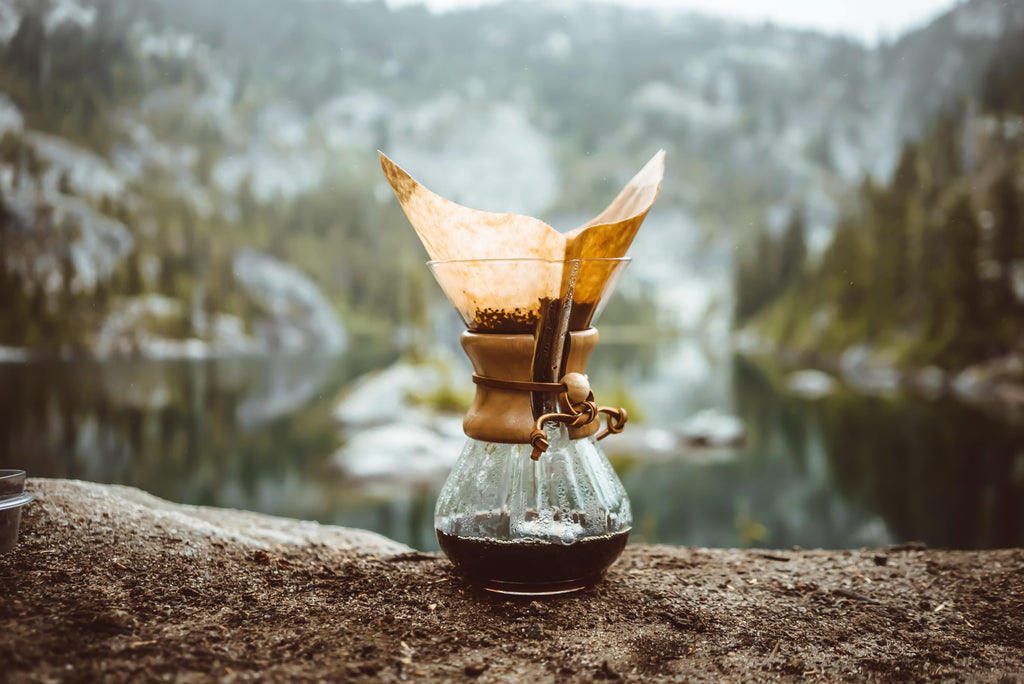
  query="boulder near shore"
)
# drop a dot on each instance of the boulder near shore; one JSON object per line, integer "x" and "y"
{"x": 111, "y": 584}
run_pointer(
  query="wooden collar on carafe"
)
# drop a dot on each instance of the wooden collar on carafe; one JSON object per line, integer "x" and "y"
{"x": 501, "y": 410}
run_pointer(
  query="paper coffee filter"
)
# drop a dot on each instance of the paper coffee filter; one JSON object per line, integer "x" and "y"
{"x": 609, "y": 235}
{"x": 499, "y": 295}
{"x": 452, "y": 232}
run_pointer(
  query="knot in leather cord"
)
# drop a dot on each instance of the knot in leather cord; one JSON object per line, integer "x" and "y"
{"x": 575, "y": 395}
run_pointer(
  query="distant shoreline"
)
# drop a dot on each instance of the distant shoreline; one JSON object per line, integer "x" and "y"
{"x": 996, "y": 386}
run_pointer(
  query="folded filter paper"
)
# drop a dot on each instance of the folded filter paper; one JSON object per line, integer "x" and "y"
{"x": 502, "y": 271}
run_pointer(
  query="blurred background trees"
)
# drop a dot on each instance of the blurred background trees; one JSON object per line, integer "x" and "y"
{"x": 928, "y": 264}
{"x": 838, "y": 199}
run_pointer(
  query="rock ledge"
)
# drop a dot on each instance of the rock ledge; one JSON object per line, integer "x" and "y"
{"x": 110, "y": 584}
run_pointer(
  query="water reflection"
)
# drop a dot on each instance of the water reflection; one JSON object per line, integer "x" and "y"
{"x": 932, "y": 470}
{"x": 936, "y": 471}
{"x": 774, "y": 491}
{"x": 844, "y": 471}
{"x": 245, "y": 433}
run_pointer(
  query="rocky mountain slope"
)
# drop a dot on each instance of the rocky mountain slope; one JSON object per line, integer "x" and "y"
{"x": 145, "y": 143}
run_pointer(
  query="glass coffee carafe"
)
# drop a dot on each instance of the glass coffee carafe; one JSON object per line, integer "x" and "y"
{"x": 532, "y": 506}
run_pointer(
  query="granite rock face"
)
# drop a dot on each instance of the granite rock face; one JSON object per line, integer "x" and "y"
{"x": 111, "y": 511}
{"x": 298, "y": 316}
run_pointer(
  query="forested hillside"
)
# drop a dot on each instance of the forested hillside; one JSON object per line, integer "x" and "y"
{"x": 147, "y": 148}
{"x": 929, "y": 267}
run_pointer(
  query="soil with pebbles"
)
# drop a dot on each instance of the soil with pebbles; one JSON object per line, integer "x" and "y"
{"x": 110, "y": 584}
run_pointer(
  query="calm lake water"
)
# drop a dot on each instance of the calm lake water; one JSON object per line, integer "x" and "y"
{"x": 844, "y": 471}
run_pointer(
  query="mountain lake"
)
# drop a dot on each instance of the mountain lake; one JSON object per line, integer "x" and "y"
{"x": 843, "y": 471}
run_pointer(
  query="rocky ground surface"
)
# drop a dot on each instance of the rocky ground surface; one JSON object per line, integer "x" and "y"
{"x": 110, "y": 584}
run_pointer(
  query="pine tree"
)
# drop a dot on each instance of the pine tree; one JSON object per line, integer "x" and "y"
{"x": 27, "y": 47}
{"x": 1007, "y": 238}
{"x": 66, "y": 303}
{"x": 844, "y": 270}
{"x": 959, "y": 314}
{"x": 792, "y": 249}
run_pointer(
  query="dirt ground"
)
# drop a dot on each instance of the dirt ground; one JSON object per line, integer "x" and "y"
{"x": 108, "y": 584}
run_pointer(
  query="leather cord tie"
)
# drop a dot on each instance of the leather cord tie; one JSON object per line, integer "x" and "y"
{"x": 574, "y": 395}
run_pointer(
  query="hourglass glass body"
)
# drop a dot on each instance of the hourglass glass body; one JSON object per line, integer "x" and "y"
{"x": 512, "y": 520}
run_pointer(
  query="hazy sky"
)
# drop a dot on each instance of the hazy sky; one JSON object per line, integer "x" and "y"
{"x": 866, "y": 19}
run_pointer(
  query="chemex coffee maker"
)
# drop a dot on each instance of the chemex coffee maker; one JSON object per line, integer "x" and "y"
{"x": 532, "y": 506}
